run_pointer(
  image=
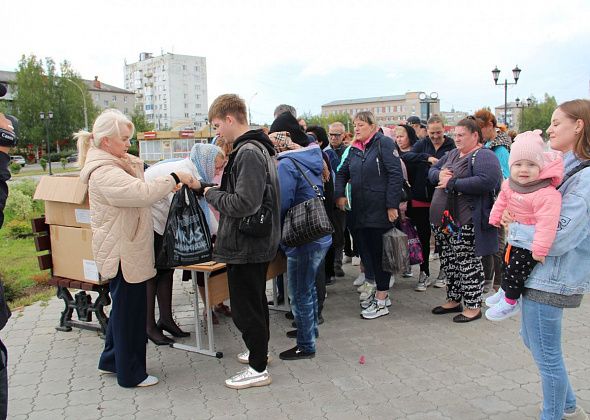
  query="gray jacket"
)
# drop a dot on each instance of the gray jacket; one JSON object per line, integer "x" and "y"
{"x": 241, "y": 193}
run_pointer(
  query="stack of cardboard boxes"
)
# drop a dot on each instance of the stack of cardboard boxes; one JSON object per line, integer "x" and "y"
{"x": 67, "y": 213}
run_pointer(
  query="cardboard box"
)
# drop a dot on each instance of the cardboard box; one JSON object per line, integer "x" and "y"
{"x": 71, "y": 253}
{"x": 66, "y": 201}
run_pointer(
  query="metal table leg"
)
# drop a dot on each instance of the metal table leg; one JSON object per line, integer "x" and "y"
{"x": 285, "y": 306}
{"x": 210, "y": 351}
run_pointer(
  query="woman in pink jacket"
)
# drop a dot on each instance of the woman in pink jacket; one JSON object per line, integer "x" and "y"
{"x": 529, "y": 194}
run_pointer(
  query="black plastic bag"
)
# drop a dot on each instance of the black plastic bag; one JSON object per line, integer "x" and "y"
{"x": 186, "y": 238}
{"x": 396, "y": 258}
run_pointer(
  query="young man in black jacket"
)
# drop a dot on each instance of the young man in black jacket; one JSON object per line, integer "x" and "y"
{"x": 7, "y": 140}
{"x": 249, "y": 181}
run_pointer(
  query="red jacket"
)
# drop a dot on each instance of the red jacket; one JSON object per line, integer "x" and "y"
{"x": 540, "y": 208}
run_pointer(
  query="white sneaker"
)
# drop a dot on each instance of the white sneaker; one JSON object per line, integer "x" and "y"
{"x": 441, "y": 280}
{"x": 244, "y": 357}
{"x": 346, "y": 259}
{"x": 502, "y": 310}
{"x": 105, "y": 372}
{"x": 359, "y": 280}
{"x": 407, "y": 274}
{"x": 367, "y": 293}
{"x": 248, "y": 378}
{"x": 391, "y": 281}
{"x": 366, "y": 303}
{"x": 579, "y": 413}
{"x": 495, "y": 298}
{"x": 374, "y": 310}
{"x": 423, "y": 282}
{"x": 364, "y": 287}
{"x": 356, "y": 261}
{"x": 149, "y": 381}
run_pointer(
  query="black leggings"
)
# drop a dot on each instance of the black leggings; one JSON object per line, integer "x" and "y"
{"x": 517, "y": 265}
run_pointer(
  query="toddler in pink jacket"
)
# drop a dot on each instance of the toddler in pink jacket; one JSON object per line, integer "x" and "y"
{"x": 530, "y": 195}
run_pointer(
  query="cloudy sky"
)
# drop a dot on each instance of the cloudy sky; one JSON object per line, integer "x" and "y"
{"x": 310, "y": 52}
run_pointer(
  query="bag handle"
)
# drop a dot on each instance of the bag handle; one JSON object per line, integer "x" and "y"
{"x": 311, "y": 184}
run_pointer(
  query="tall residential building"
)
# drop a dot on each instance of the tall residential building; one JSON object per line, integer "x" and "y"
{"x": 388, "y": 110}
{"x": 170, "y": 88}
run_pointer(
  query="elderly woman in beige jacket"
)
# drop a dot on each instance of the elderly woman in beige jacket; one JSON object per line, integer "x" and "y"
{"x": 122, "y": 238}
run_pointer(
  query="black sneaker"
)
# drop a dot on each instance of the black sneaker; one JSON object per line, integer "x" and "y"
{"x": 295, "y": 354}
{"x": 289, "y": 315}
{"x": 338, "y": 271}
{"x": 320, "y": 320}
{"x": 330, "y": 281}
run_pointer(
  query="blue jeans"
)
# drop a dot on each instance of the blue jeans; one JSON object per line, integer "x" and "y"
{"x": 541, "y": 333}
{"x": 301, "y": 271}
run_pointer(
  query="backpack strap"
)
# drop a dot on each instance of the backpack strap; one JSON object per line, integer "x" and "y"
{"x": 581, "y": 166}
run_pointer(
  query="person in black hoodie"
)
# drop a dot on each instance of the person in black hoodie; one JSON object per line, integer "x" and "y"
{"x": 249, "y": 184}
{"x": 7, "y": 140}
{"x": 420, "y": 158}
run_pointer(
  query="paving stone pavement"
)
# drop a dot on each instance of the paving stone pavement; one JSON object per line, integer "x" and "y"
{"x": 417, "y": 366}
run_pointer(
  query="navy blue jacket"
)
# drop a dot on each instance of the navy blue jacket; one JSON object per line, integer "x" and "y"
{"x": 481, "y": 189}
{"x": 376, "y": 182}
{"x": 416, "y": 161}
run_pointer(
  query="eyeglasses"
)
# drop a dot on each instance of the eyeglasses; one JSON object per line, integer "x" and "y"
{"x": 335, "y": 134}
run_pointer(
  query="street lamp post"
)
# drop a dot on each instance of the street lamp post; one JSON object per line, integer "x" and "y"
{"x": 46, "y": 118}
{"x": 431, "y": 99}
{"x": 524, "y": 105}
{"x": 496, "y": 74}
{"x": 84, "y": 99}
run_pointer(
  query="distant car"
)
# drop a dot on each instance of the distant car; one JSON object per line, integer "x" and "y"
{"x": 72, "y": 158}
{"x": 18, "y": 159}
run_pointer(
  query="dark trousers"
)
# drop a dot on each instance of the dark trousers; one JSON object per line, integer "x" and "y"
{"x": 371, "y": 249}
{"x": 420, "y": 217}
{"x": 249, "y": 307}
{"x": 320, "y": 283}
{"x": 329, "y": 262}
{"x": 3, "y": 381}
{"x": 493, "y": 263}
{"x": 516, "y": 270}
{"x": 350, "y": 244}
{"x": 124, "y": 346}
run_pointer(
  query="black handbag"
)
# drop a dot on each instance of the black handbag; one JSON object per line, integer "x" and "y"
{"x": 259, "y": 224}
{"x": 306, "y": 221}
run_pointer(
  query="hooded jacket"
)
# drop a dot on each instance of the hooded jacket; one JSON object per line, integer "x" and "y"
{"x": 417, "y": 162}
{"x": 241, "y": 194}
{"x": 121, "y": 220}
{"x": 376, "y": 185}
{"x": 540, "y": 208}
{"x": 295, "y": 189}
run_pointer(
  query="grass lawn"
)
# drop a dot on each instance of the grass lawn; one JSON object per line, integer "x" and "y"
{"x": 55, "y": 170}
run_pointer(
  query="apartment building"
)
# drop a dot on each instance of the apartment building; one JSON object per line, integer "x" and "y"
{"x": 171, "y": 89}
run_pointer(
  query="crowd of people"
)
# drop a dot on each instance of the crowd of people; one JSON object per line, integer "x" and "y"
{"x": 510, "y": 222}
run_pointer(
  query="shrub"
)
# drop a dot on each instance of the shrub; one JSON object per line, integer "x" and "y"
{"x": 63, "y": 162}
{"x": 11, "y": 291}
{"x": 15, "y": 168}
{"x": 133, "y": 150}
{"x": 26, "y": 186}
{"x": 43, "y": 163}
{"x": 19, "y": 205}
{"x": 16, "y": 229}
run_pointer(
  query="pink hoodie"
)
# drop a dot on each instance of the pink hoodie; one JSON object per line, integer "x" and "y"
{"x": 540, "y": 208}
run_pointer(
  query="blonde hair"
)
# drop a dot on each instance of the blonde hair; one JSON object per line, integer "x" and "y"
{"x": 107, "y": 124}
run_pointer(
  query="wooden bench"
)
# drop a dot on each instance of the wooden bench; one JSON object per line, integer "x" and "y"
{"x": 81, "y": 301}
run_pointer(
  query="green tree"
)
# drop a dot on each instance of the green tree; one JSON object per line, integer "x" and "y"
{"x": 326, "y": 120}
{"x": 538, "y": 115}
{"x": 140, "y": 122}
{"x": 41, "y": 89}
